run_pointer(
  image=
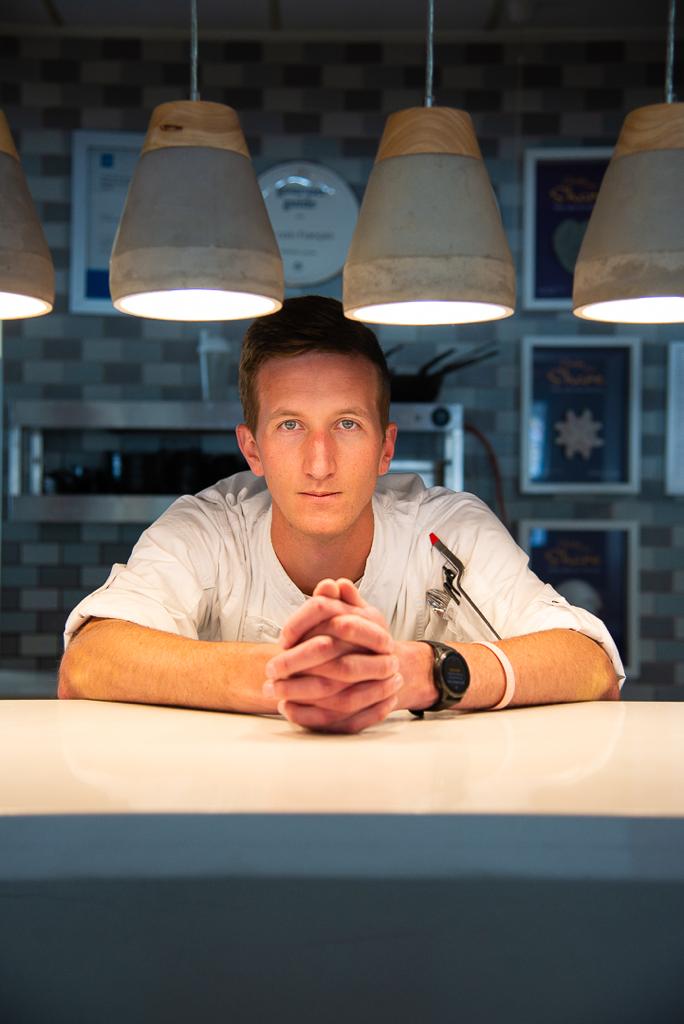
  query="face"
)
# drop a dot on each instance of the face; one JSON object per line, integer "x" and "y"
{"x": 319, "y": 443}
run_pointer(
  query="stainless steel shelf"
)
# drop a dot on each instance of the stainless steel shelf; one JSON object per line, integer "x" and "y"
{"x": 204, "y": 416}
{"x": 30, "y": 419}
{"x": 89, "y": 508}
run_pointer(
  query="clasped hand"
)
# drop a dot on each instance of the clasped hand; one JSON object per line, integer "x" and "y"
{"x": 338, "y": 669}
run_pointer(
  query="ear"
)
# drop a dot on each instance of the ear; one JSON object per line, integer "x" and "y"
{"x": 387, "y": 451}
{"x": 249, "y": 448}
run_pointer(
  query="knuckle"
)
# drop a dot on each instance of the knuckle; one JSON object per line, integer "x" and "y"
{"x": 323, "y": 643}
{"x": 347, "y": 626}
{"x": 348, "y": 664}
{"x": 388, "y": 687}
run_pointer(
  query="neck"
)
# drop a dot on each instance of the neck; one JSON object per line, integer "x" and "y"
{"x": 309, "y": 559}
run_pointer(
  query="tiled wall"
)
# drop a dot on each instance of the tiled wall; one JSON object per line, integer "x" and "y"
{"x": 325, "y": 101}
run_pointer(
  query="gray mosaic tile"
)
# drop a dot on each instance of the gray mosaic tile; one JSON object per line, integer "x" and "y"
{"x": 19, "y": 622}
{"x": 39, "y": 644}
{"x": 101, "y": 119}
{"x": 40, "y": 599}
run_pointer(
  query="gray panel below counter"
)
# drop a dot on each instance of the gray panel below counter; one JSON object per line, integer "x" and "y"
{"x": 341, "y": 917}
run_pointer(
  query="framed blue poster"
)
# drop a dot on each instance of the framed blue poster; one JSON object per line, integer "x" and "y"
{"x": 560, "y": 189}
{"x": 592, "y": 564}
{"x": 102, "y": 166}
{"x": 580, "y": 415}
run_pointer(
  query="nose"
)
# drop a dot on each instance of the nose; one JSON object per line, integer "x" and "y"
{"x": 319, "y": 456}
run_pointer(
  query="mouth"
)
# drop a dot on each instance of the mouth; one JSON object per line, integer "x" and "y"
{"x": 319, "y": 495}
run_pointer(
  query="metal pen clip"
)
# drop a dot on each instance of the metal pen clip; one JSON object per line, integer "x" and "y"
{"x": 452, "y": 580}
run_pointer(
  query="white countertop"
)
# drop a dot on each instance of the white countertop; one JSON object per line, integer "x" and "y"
{"x": 194, "y": 865}
{"x": 609, "y": 759}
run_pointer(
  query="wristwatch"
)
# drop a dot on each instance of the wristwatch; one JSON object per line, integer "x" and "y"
{"x": 450, "y": 675}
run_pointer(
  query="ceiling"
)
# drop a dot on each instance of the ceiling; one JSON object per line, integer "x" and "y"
{"x": 226, "y": 17}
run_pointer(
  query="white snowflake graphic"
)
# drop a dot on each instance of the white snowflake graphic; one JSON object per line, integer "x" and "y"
{"x": 577, "y": 434}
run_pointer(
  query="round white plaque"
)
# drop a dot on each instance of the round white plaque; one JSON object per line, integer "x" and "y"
{"x": 313, "y": 212}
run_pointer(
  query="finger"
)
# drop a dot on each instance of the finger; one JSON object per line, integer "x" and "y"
{"x": 355, "y": 631}
{"x": 349, "y": 593}
{"x": 357, "y": 667}
{"x": 347, "y": 701}
{"x": 316, "y": 719}
{"x": 311, "y": 614}
{"x": 327, "y": 588}
{"x": 351, "y": 596}
{"x": 305, "y": 689}
{"x": 353, "y": 699}
{"x": 309, "y": 654}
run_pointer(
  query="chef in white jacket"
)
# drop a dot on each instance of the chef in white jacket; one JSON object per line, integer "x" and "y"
{"x": 320, "y": 588}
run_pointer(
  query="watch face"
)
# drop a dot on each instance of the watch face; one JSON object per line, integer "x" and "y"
{"x": 455, "y": 673}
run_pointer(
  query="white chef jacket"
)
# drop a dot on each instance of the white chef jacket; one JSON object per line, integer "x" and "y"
{"x": 206, "y": 569}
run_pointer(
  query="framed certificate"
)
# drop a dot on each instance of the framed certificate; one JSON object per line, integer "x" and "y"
{"x": 313, "y": 212}
{"x": 560, "y": 189}
{"x": 674, "y": 456}
{"x": 102, "y": 167}
{"x": 580, "y": 415}
{"x": 593, "y": 564}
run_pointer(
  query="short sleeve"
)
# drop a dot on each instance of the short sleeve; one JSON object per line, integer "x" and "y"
{"x": 168, "y": 582}
{"x": 499, "y": 580}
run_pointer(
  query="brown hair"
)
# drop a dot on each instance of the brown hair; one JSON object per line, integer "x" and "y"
{"x": 308, "y": 323}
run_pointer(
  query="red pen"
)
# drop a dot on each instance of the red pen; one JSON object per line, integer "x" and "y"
{"x": 449, "y": 555}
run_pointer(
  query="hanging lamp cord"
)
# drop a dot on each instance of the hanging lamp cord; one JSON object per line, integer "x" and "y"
{"x": 429, "y": 57}
{"x": 669, "y": 64}
{"x": 194, "y": 94}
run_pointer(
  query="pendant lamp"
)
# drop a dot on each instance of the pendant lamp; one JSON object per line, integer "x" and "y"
{"x": 195, "y": 241}
{"x": 27, "y": 276}
{"x": 630, "y": 267}
{"x": 429, "y": 246}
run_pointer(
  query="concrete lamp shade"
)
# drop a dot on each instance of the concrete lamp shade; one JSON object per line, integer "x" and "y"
{"x": 429, "y": 246}
{"x": 27, "y": 276}
{"x": 195, "y": 241}
{"x": 630, "y": 267}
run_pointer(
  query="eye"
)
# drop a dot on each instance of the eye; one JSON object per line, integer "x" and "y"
{"x": 348, "y": 424}
{"x": 288, "y": 425}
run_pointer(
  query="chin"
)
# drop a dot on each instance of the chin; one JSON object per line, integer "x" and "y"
{"x": 323, "y": 530}
{"x": 323, "y": 525}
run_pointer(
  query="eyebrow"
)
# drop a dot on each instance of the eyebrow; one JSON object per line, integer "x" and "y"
{"x": 284, "y": 413}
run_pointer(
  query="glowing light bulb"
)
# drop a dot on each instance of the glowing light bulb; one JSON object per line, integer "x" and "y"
{"x": 14, "y": 306}
{"x": 649, "y": 309}
{"x": 190, "y": 304}
{"x": 425, "y": 312}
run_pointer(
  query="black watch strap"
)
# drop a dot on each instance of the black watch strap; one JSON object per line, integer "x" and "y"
{"x": 451, "y": 684}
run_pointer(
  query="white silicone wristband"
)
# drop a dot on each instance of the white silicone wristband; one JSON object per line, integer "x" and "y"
{"x": 509, "y": 692}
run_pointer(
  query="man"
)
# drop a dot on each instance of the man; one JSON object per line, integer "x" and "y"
{"x": 310, "y": 586}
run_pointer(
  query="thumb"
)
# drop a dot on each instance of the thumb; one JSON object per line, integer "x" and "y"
{"x": 327, "y": 588}
{"x": 349, "y": 593}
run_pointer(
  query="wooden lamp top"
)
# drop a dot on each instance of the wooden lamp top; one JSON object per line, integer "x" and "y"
{"x": 428, "y": 130}
{"x": 195, "y": 123}
{"x": 6, "y": 140}
{"x": 659, "y": 126}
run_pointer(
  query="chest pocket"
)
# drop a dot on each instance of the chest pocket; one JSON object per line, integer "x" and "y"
{"x": 257, "y": 630}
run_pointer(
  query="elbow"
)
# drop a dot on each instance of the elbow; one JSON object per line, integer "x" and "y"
{"x": 613, "y": 693}
{"x": 73, "y": 679}
{"x": 606, "y": 679}
{"x": 612, "y": 688}
{"x": 72, "y": 673}
{"x": 65, "y": 687}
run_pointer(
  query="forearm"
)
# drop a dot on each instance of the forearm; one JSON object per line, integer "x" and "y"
{"x": 555, "y": 666}
{"x": 110, "y": 659}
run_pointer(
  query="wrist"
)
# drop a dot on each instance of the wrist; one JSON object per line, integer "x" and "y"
{"x": 415, "y": 664}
